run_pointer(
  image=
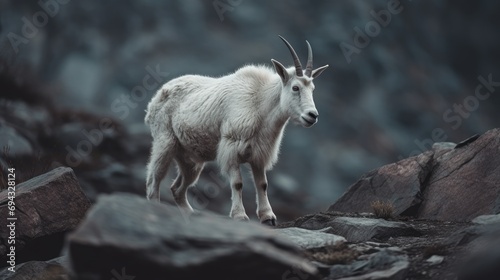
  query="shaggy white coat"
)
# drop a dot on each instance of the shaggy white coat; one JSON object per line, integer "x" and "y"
{"x": 234, "y": 119}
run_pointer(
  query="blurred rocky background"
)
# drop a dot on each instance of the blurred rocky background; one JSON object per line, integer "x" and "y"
{"x": 403, "y": 75}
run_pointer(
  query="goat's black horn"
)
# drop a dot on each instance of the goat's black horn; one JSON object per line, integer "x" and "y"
{"x": 309, "y": 65}
{"x": 296, "y": 61}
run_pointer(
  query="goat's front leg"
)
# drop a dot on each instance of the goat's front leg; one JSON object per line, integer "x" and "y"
{"x": 237, "y": 208}
{"x": 264, "y": 210}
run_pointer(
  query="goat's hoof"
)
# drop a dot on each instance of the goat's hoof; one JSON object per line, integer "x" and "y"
{"x": 269, "y": 222}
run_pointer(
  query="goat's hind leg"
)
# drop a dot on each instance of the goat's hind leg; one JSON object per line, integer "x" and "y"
{"x": 189, "y": 172}
{"x": 161, "y": 157}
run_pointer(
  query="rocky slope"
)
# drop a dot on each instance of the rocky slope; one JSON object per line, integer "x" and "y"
{"x": 124, "y": 235}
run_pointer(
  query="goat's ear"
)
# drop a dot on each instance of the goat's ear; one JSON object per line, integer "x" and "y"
{"x": 281, "y": 70}
{"x": 316, "y": 72}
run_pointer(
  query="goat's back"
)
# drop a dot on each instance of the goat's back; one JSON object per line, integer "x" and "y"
{"x": 199, "y": 110}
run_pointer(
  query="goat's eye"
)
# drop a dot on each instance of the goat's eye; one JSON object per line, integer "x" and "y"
{"x": 295, "y": 88}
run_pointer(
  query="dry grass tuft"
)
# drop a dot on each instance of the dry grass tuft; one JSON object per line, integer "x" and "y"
{"x": 382, "y": 209}
{"x": 333, "y": 254}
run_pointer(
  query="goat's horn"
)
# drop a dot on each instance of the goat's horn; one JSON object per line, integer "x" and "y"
{"x": 296, "y": 61}
{"x": 309, "y": 65}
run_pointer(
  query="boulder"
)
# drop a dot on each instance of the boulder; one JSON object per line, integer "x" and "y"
{"x": 444, "y": 183}
{"x": 40, "y": 270}
{"x": 128, "y": 234}
{"x": 399, "y": 183}
{"x": 482, "y": 265}
{"x": 482, "y": 244}
{"x": 466, "y": 181}
{"x": 46, "y": 207}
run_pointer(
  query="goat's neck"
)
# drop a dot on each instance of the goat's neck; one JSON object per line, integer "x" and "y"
{"x": 275, "y": 116}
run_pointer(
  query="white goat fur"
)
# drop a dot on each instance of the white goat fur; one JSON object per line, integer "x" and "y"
{"x": 234, "y": 119}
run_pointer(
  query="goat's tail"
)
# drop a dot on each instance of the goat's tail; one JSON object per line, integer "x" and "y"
{"x": 155, "y": 105}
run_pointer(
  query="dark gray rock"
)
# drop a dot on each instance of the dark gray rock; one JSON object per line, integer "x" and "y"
{"x": 466, "y": 182}
{"x": 364, "y": 229}
{"x": 154, "y": 241}
{"x": 482, "y": 265}
{"x": 442, "y": 184}
{"x": 384, "y": 264}
{"x": 472, "y": 233}
{"x": 486, "y": 219}
{"x": 356, "y": 229}
{"x": 314, "y": 221}
{"x": 47, "y": 206}
{"x": 482, "y": 243}
{"x": 308, "y": 239}
{"x": 399, "y": 183}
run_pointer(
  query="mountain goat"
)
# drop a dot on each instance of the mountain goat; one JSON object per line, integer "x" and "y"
{"x": 234, "y": 119}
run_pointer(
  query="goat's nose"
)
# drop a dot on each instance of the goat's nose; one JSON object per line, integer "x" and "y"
{"x": 313, "y": 115}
